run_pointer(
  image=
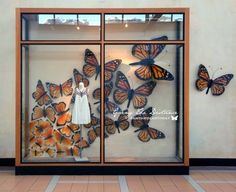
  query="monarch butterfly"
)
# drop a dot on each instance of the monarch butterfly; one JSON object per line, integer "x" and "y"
{"x": 80, "y": 78}
{"x": 51, "y": 152}
{"x": 121, "y": 123}
{"x": 64, "y": 115}
{"x": 217, "y": 85}
{"x": 56, "y": 91}
{"x": 39, "y": 112}
{"x": 138, "y": 95}
{"x": 109, "y": 106}
{"x": 68, "y": 130}
{"x": 61, "y": 139}
{"x": 41, "y": 128}
{"x": 93, "y": 133}
{"x": 147, "y": 53}
{"x": 82, "y": 143}
{"x": 145, "y": 132}
{"x": 40, "y": 95}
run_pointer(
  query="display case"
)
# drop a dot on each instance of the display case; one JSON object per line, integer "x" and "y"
{"x": 102, "y": 91}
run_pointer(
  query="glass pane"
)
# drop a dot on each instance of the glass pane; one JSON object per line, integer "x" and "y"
{"x": 61, "y": 26}
{"x": 143, "y": 26}
{"x": 53, "y": 99}
{"x": 144, "y": 119}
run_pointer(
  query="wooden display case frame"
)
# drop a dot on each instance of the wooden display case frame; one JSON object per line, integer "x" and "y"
{"x": 102, "y": 167}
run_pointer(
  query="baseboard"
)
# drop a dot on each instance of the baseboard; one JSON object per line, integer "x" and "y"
{"x": 192, "y": 161}
{"x": 9, "y": 162}
{"x": 212, "y": 162}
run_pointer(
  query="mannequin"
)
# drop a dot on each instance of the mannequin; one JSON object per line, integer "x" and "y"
{"x": 81, "y": 112}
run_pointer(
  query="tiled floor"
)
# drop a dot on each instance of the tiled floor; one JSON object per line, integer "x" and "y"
{"x": 198, "y": 180}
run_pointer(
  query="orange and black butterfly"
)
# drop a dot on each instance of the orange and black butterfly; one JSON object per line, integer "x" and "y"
{"x": 41, "y": 128}
{"x": 145, "y": 132}
{"x": 68, "y": 130}
{"x": 64, "y": 115}
{"x": 217, "y": 85}
{"x": 36, "y": 147}
{"x": 61, "y": 150}
{"x": 39, "y": 112}
{"x": 110, "y": 107}
{"x": 72, "y": 151}
{"x": 121, "y": 123}
{"x": 61, "y": 139}
{"x": 40, "y": 95}
{"x": 94, "y": 121}
{"x": 93, "y": 133}
{"x": 138, "y": 95}
{"x": 76, "y": 137}
{"x": 80, "y": 78}
{"x": 91, "y": 66}
{"x": 51, "y": 152}
{"x": 110, "y": 68}
{"x": 56, "y": 91}
{"x": 147, "y": 53}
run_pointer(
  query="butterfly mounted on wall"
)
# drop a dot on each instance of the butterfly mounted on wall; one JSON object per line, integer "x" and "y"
{"x": 49, "y": 138}
{"x": 56, "y": 91}
{"x": 217, "y": 85}
{"x": 121, "y": 123}
{"x": 50, "y": 152}
{"x": 40, "y": 95}
{"x": 70, "y": 129}
{"x": 145, "y": 132}
{"x": 93, "y": 133}
{"x": 78, "y": 77}
{"x": 110, "y": 107}
{"x": 61, "y": 139}
{"x": 138, "y": 95}
{"x": 39, "y": 112}
{"x": 63, "y": 114}
{"x": 147, "y": 53}
{"x": 82, "y": 143}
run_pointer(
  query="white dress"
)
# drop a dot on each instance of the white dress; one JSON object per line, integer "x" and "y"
{"x": 81, "y": 111}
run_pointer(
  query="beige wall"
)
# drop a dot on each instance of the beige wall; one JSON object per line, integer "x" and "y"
{"x": 212, "y": 42}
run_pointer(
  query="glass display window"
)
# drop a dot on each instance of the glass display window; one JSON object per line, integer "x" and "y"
{"x": 101, "y": 89}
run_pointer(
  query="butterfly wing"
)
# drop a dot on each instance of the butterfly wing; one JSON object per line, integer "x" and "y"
{"x": 78, "y": 77}
{"x": 120, "y": 96}
{"x": 51, "y": 114}
{"x": 40, "y": 95}
{"x": 160, "y": 73}
{"x": 93, "y": 134}
{"x": 218, "y": 84}
{"x": 144, "y": 136}
{"x": 97, "y": 94}
{"x": 64, "y": 116}
{"x": 67, "y": 87}
{"x": 76, "y": 137}
{"x": 111, "y": 67}
{"x": 66, "y": 131}
{"x": 112, "y": 107}
{"x": 110, "y": 125}
{"x": 149, "y": 51}
{"x": 37, "y": 113}
{"x": 155, "y": 134}
{"x": 91, "y": 67}
{"x": 54, "y": 90}
{"x": 48, "y": 137}
{"x": 123, "y": 121}
{"x": 61, "y": 139}
{"x": 204, "y": 78}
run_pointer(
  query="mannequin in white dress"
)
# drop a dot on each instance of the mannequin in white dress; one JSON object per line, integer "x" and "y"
{"x": 81, "y": 112}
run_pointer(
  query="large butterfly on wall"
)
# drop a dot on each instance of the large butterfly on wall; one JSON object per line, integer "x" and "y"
{"x": 47, "y": 112}
{"x": 61, "y": 139}
{"x": 217, "y": 85}
{"x": 56, "y": 91}
{"x": 78, "y": 77}
{"x": 63, "y": 114}
{"x": 110, "y": 107}
{"x": 145, "y": 132}
{"x": 40, "y": 95}
{"x": 138, "y": 95}
{"x": 121, "y": 123}
{"x": 49, "y": 138}
{"x": 41, "y": 128}
{"x": 147, "y": 53}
